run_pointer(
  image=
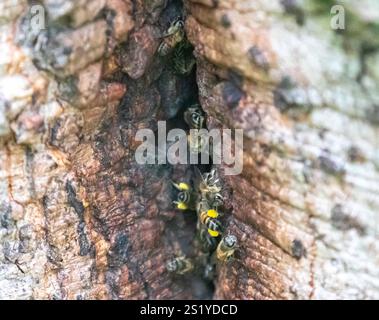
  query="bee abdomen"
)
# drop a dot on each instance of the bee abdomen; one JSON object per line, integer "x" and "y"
{"x": 213, "y": 225}
{"x": 164, "y": 49}
{"x": 208, "y": 242}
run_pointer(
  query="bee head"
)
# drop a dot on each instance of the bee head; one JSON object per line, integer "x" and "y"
{"x": 171, "y": 265}
{"x": 178, "y": 21}
{"x": 177, "y": 24}
{"x": 230, "y": 241}
{"x": 194, "y": 117}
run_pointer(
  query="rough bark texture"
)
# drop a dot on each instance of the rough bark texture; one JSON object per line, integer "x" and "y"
{"x": 79, "y": 219}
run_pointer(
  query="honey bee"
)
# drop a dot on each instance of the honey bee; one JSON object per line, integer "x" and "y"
{"x": 208, "y": 243}
{"x": 185, "y": 198}
{"x": 179, "y": 265}
{"x": 183, "y": 60}
{"x": 194, "y": 117}
{"x": 209, "y": 219}
{"x": 226, "y": 248}
{"x": 209, "y": 182}
{"x": 209, "y": 188}
{"x": 204, "y": 206}
{"x": 173, "y": 36}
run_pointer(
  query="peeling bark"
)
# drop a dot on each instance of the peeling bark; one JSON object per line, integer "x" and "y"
{"x": 79, "y": 219}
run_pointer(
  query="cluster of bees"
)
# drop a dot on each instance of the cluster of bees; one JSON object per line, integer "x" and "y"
{"x": 205, "y": 198}
{"x": 174, "y": 43}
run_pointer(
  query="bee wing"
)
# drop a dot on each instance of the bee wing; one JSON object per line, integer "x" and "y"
{"x": 198, "y": 178}
{"x": 166, "y": 34}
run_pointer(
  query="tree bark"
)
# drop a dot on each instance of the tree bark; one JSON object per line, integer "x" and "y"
{"x": 80, "y": 219}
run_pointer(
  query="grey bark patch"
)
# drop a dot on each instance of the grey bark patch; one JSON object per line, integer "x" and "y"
{"x": 25, "y": 235}
{"x": 68, "y": 89}
{"x": 215, "y": 3}
{"x": 292, "y": 7}
{"x": 373, "y": 114}
{"x": 84, "y": 244}
{"x": 29, "y": 155}
{"x": 53, "y": 256}
{"x": 225, "y": 21}
{"x": 119, "y": 252}
{"x": 73, "y": 201}
{"x": 49, "y": 54}
{"x": 330, "y": 165}
{"x": 232, "y": 94}
{"x": 344, "y": 221}
{"x": 54, "y": 131}
{"x": 355, "y": 154}
{"x": 258, "y": 57}
{"x": 281, "y": 93}
{"x": 5, "y": 215}
{"x": 298, "y": 250}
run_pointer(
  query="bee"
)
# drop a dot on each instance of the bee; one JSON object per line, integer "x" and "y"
{"x": 226, "y": 248}
{"x": 183, "y": 60}
{"x": 209, "y": 219}
{"x": 179, "y": 265}
{"x": 204, "y": 206}
{"x": 208, "y": 243}
{"x": 209, "y": 182}
{"x": 173, "y": 36}
{"x": 185, "y": 198}
{"x": 194, "y": 117}
{"x": 209, "y": 188}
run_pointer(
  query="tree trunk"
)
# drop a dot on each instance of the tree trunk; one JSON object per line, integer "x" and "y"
{"x": 80, "y": 219}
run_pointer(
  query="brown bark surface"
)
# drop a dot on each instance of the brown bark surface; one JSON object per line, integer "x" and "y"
{"x": 79, "y": 219}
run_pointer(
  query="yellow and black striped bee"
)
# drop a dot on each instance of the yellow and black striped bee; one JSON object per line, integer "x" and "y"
{"x": 179, "y": 265}
{"x": 209, "y": 182}
{"x": 209, "y": 188}
{"x": 204, "y": 206}
{"x": 207, "y": 242}
{"x": 174, "y": 35}
{"x": 183, "y": 60}
{"x": 185, "y": 199}
{"x": 226, "y": 248}
{"x": 209, "y": 219}
{"x": 194, "y": 117}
